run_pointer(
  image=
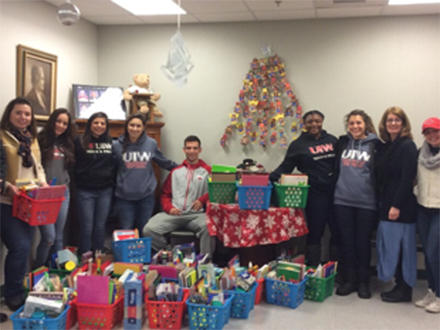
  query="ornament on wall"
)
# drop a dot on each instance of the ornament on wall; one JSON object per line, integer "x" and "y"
{"x": 267, "y": 107}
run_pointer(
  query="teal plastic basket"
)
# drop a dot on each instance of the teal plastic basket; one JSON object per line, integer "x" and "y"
{"x": 243, "y": 302}
{"x": 285, "y": 293}
{"x": 134, "y": 250}
{"x": 209, "y": 317}
{"x": 39, "y": 324}
{"x": 254, "y": 197}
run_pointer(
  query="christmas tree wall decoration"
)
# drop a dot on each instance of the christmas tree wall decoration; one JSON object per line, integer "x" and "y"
{"x": 267, "y": 110}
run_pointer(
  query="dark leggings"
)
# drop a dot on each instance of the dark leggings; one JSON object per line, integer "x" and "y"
{"x": 356, "y": 226}
{"x": 319, "y": 212}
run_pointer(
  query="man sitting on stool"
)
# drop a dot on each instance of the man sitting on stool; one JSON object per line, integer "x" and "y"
{"x": 184, "y": 195}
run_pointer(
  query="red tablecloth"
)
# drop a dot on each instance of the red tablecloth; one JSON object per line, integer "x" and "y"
{"x": 244, "y": 228}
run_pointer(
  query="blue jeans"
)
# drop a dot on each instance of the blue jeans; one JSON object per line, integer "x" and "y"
{"x": 428, "y": 228}
{"x": 17, "y": 236}
{"x": 135, "y": 214}
{"x": 93, "y": 210}
{"x": 52, "y": 235}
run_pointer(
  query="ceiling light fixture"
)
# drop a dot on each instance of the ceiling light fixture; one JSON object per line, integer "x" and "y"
{"x": 150, "y": 7}
{"x": 411, "y": 2}
{"x": 68, "y": 14}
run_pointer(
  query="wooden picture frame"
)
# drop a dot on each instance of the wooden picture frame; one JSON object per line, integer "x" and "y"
{"x": 37, "y": 80}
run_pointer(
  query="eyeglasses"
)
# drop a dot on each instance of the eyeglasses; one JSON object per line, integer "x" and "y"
{"x": 396, "y": 121}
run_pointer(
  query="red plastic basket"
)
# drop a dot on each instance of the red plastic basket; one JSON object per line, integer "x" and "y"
{"x": 36, "y": 212}
{"x": 72, "y": 315}
{"x": 166, "y": 314}
{"x": 259, "y": 292}
{"x": 102, "y": 317}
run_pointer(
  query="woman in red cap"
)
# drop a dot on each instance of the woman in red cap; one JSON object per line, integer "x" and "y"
{"x": 428, "y": 212}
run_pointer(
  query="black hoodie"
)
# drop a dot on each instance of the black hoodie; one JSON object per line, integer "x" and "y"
{"x": 94, "y": 167}
{"x": 312, "y": 157}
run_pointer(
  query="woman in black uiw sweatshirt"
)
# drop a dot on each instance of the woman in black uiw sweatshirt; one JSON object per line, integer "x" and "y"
{"x": 313, "y": 153}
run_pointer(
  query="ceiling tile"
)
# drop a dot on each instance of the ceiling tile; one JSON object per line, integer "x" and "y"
{"x": 285, "y": 5}
{"x": 169, "y": 19}
{"x": 348, "y": 12}
{"x": 285, "y": 15}
{"x": 229, "y": 17}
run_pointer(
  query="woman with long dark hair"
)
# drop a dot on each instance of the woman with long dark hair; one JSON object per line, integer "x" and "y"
{"x": 136, "y": 182}
{"x": 94, "y": 179}
{"x": 18, "y": 133}
{"x": 58, "y": 155}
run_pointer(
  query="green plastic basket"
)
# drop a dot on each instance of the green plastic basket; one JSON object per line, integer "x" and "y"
{"x": 291, "y": 196}
{"x": 318, "y": 289}
{"x": 222, "y": 192}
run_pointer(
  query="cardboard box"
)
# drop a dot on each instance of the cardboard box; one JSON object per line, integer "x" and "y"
{"x": 223, "y": 177}
{"x": 294, "y": 179}
{"x": 254, "y": 179}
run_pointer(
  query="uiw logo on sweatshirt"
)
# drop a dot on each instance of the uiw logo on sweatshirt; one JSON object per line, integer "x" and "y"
{"x": 323, "y": 148}
{"x": 355, "y": 158}
{"x": 136, "y": 159}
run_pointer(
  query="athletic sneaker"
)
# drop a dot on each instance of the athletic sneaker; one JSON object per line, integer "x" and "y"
{"x": 434, "y": 307}
{"x": 428, "y": 299}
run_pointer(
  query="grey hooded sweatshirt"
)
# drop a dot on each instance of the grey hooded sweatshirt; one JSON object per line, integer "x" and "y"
{"x": 355, "y": 182}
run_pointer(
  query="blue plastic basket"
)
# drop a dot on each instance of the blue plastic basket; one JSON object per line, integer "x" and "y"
{"x": 203, "y": 317}
{"x": 39, "y": 324}
{"x": 243, "y": 302}
{"x": 134, "y": 250}
{"x": 285, "y": 293}
{"x": 254, "y": 197}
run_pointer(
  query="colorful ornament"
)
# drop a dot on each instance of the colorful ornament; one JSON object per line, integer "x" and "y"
{"x": 273, "y": 138}
{"x": 223, "y": 140}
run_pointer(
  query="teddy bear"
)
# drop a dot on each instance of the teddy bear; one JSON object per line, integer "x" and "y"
{"x": 142, "y": 86}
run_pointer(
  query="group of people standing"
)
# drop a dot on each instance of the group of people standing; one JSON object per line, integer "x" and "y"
{"x": 359, "y": 183}
{"x": 99, "y": 166}
{"x": 362, "y": 183}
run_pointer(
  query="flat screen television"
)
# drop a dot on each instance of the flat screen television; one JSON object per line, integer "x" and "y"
{"x": 89, "y": 99}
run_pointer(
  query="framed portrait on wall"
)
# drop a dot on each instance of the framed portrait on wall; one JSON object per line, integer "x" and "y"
{"x": 37, "y": 80}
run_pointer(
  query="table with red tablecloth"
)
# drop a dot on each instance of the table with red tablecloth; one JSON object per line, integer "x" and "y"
{"x": 245, "y": 228}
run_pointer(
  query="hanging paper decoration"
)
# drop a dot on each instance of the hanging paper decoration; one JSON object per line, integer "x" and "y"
{"x": 266, "y": 102}
{"x": 179, "y": 63}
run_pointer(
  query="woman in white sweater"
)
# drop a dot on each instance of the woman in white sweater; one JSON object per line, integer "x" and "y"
{"x": 428, "y": 216}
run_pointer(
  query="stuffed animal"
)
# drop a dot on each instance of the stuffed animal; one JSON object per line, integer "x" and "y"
{"x": 142, "y": 86}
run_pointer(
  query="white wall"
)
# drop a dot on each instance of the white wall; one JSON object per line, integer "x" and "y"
{"x": 34, "y": 24}
{"x": 333, "y": 65}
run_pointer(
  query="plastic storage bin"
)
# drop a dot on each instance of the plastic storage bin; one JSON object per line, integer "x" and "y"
{"x": 134, "y": 250}
{"x": 103, "y": 317}
{"x": 34, "y": 211}
{"x": 254, "y": 197}
{"x": 166, "y": 314}
{"x": 285, "y": 293}
{"x": 208, "y": 317}
{"x": 222, "y": 192}
{"x": 39, "y": 324}
{"x": 318, "y": 289}
{"x": 72, "y": 315}
{"x": 259, "y": 291}
{"x": 243, "y": 302}
{"x": 290, "y": 196}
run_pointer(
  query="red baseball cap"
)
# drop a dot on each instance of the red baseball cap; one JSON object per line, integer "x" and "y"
{"x": 432, "y": 122}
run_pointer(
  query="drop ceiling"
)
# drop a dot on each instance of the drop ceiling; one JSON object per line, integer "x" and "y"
{"x": 105, "y": 12}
